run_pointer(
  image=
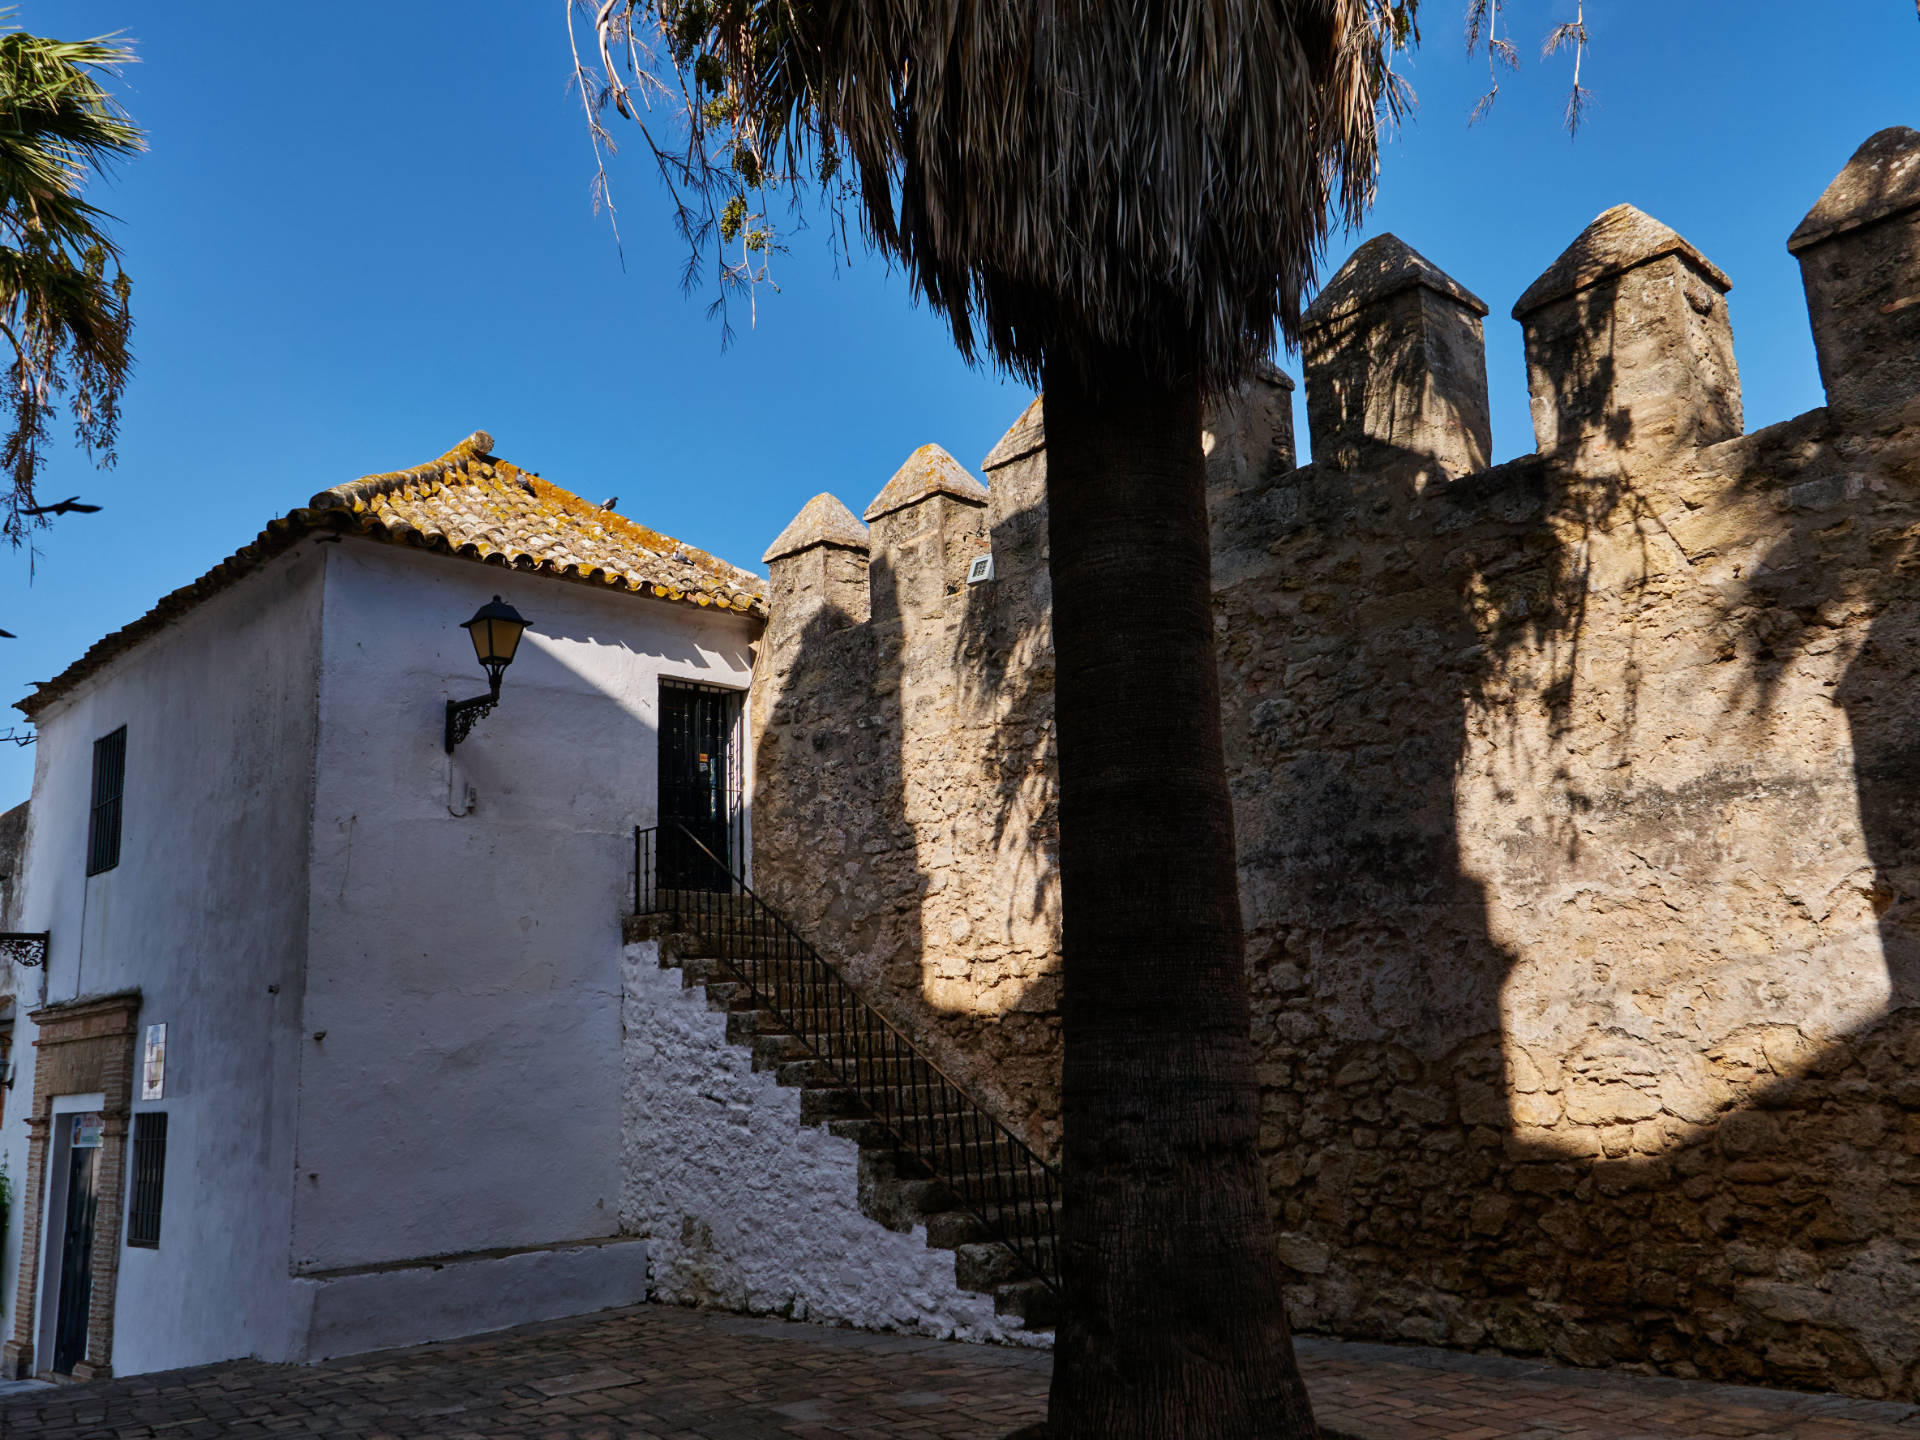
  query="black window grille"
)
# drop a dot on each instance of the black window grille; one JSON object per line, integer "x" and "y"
{"x": 701, "y": 780}
{"x": 109, "y": 780}
{"x": 149, "y": 1178}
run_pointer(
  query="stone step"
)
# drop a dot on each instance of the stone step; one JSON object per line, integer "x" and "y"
{"x": 870, "y": 1131}
{"x": 818, "y": 1106}
{"x": 697, "y": 969}
{"x": 739, "y": 938}
{"x": 955, "y": 1227}
{"x": 916, "y": 1171}
{"x": 902, "y": 1204}
{"x": 886, "y": 1082}
{"x": 984, "y": 1266}
{"x": 703, "y": 902}
{"x": 987, "y": 1187}
{"x": 946, "y": 1143}
{"x": 745, "y": 1026}
{"x": 748, "y": 1017}
{"x": 1030, "y": 1301}
{"x": 806, "y": 1007}
{"x": 772, "y": 1051}
{"x": 983, "y": 1177}
{"x": 774, "y": 961}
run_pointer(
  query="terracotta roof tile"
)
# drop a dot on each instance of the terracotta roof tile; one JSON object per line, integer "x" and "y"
{"x": 471, "y": 504}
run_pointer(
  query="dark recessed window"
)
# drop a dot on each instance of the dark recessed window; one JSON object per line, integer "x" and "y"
{"x": 109, "y": 780}
{"x": 149, "y": 1178}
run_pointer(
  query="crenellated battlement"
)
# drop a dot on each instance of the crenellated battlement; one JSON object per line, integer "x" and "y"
{"x": 1574, "y": 799}
{"x": 1630, "y": 363}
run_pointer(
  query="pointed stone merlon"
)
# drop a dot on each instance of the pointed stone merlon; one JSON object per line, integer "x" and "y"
{"x": 818, "y": 569}
{"x": 1016, "y": 471}
{"x": 1859, "y": 253}
{"x": 1395, "y": 354}
{"x": 1248, "y": 435}
{"x": 1629, "y": 345}
{"x": 928, "y": 522}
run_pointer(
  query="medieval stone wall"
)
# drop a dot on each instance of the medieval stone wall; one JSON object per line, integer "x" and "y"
{"x": 904, "y": 792}
{"x": 1578, "y": 804}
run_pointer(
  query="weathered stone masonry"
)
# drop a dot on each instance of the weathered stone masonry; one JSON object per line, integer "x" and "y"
{"x": 904, "y": 742}
{"x": 1577, "y": 798}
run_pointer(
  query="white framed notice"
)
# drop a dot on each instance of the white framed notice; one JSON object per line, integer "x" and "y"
{"x": 153, "y": 1068}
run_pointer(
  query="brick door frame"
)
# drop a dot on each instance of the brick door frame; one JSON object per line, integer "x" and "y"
{"x": 83, "y": 1047}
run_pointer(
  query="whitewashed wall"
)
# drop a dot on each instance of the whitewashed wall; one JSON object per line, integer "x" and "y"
{"x": 747, "y": 1209}
{"x": 394, "y": 1066}
{"x": 465, "y": 970}
{"x": 206, "y": 916}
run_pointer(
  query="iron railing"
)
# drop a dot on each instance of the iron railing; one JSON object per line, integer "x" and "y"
{"x": 992, "y": 1174}
{"x": 25, "y": 947}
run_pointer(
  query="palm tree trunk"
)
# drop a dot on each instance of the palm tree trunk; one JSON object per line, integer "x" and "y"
{"x": 1174, "y": 1323}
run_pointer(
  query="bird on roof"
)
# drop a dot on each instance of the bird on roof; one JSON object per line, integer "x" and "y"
{"x": 610, "y": 502}
{"x": 72, "y": 505}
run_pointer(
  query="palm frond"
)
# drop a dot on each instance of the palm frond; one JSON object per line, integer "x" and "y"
{"x": 1059, "y": 181}
{"x": 1572, "y": 33}
{"x": 1483, "y": 28}
{"x": 1572, "y": 36}
{"x": 63, "y": 296}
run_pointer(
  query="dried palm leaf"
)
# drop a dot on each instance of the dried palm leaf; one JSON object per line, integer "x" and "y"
{"x": 1060, "y": 179}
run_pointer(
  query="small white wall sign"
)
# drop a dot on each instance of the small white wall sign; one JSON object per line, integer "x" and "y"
{"x": 153, "y": 1070}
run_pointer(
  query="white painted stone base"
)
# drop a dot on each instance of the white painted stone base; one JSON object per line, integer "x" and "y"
{"x": 746, "y": 1209}
{"x": 377, "y": 1310}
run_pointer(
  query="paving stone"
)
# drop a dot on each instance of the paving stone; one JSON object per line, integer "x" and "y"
{"x": 661, "y": 1373}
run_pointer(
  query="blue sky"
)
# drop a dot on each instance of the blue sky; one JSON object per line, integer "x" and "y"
{"x": 364, "y": 231}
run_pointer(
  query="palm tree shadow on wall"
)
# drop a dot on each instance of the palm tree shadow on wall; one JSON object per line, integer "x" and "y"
{"x": 910, "y": 835}
{"x": 1583, "y": 1036}
{"x": 1580, "y": 1032}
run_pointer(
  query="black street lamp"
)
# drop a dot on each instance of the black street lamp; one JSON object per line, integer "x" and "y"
{"x": 495, "y": 630}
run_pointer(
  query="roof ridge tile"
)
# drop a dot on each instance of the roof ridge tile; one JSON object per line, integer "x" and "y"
{"x": 471, "y": 505}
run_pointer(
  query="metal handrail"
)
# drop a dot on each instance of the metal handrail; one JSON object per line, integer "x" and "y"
{"x": 993, "y": 1174}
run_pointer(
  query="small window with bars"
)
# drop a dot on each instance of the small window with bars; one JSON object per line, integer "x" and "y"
{"x": 149, "y": 1178}
{"x": 109, "y": 782}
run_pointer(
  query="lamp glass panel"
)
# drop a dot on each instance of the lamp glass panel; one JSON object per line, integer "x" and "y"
{"x": 506, "y": 638}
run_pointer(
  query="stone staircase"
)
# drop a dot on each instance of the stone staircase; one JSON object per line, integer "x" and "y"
{"x": 916, "y": 1161}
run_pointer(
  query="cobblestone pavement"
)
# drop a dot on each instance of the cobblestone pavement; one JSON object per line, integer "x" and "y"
{"x": 683, "y": 1375}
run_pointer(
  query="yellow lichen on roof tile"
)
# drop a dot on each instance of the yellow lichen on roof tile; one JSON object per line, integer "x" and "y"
{"x": 470, "y": 498}
{"x": 473, "y": 505}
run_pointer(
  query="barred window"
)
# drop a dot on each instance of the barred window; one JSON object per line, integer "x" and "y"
{"x": 149, "y": 1178}
{"x": 109, "y": 780}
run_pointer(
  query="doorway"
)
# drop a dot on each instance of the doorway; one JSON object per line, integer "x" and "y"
{"x": 76, "y": 1242}
{"x": 700, "y": 785}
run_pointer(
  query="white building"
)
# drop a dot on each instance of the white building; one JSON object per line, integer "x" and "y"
{"x": 388, "y": 1106}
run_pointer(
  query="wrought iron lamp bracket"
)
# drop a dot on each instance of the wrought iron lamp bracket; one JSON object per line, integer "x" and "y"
{"x": 463, "y": 715}
{"x": 25, "y": 947}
